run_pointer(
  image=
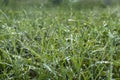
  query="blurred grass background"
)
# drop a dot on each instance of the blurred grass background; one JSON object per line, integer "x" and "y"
{"x": 76, "y": 4}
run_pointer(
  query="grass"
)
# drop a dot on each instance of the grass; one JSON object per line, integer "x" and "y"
{"x": 60, "y": 44}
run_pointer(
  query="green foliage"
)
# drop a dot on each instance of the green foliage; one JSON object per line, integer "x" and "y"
{"x": 60, "y": 44}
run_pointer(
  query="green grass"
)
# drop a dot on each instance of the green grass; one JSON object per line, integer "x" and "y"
{"x": 60, "y": 44}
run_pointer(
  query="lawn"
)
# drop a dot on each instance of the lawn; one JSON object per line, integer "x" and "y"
{"x": 60, "y": 44}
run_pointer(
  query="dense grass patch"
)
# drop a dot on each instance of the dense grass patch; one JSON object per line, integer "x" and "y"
{"x": 60, "y": 44}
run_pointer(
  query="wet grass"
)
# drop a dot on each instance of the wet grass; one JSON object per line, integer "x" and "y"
{"x": 60, "y": 44}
